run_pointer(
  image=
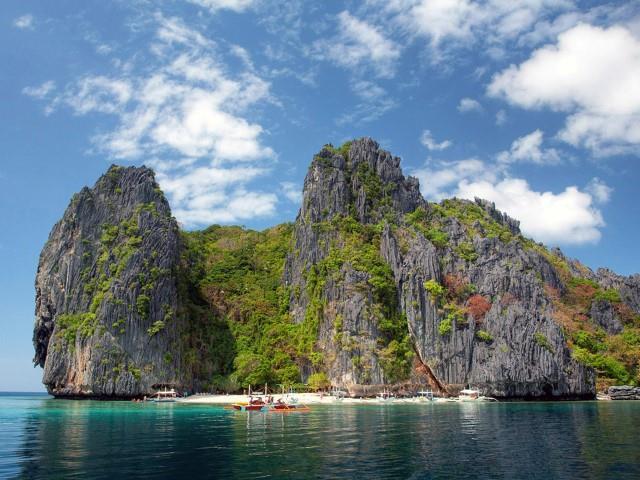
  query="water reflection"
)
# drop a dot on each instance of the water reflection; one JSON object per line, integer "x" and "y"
{"x": 67, "y": 439}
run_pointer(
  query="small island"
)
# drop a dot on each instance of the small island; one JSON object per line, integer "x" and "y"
{"x": 371, "y": 288}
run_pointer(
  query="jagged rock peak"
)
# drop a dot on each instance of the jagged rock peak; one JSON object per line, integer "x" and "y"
{"x": 497, "y": 215}
{"x": 358, "y": 179}
{"x": 105, "y": 291}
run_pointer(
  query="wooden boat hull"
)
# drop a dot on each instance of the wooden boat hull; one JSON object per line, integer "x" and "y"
{"x": 289, "y": 408}
{"x": 285, "y": 407}
{"x": 248, "y": 408}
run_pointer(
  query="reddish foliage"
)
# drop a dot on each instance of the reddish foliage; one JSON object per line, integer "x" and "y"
{"x": 580, "y": 295}
{"x": 507, "y": 299}
{"x": 478, "y": 306}
{"x": 456, "y": 285}
{"x": 627, "y": 315}
{"x": 552, "y": 292}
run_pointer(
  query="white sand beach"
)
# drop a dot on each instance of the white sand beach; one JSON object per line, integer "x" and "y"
{"x": 304, "y": 398}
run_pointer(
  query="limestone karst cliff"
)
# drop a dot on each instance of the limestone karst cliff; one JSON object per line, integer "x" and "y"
{"x": 106, "y": 291}
{"x": 371, "y": 285}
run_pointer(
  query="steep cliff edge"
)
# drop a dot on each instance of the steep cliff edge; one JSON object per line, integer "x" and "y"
{"x": 372, "y": 285}
{"x": 384, "y": 275}
{"x": 106, "y": 292}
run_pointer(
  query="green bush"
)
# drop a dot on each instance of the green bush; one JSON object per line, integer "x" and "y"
{"x": 318, "y": 381}
{"x": 586, "y": 340}
{"x": 69, "y": 326}
{"x": 142, "y": 305}
{"x": 610, "y": 295}
{"x": 156, "y": 328}
{"x": 466, "y": 251}
{"x": 445, "y": 327}
{"x": 436, "y": 290}
{"x": 418, "y": 216}
{"x": 137, "y": 374}
{"x": 603, "y": 364}
{"x": 109, "y": 234}
{"x": 580, "y": 282}
{"x": 543, "y": 341}
{"x": 484, "y": 336}
{"x": 631, "y": 337}
{"x": 455, "y": 313}
{"x": 437, "y": 237}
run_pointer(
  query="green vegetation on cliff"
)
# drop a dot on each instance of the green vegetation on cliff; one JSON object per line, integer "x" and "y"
{"x": 241, "y": 331}
{"x": 357, "y": 246}
{"x": 614, "y": 356}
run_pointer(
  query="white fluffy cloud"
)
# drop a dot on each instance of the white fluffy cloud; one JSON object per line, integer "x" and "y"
{"x": 215, "y": 5}
{"x": 292, "y": 192}
{"x": 593, "y": 74}
{"x": 570, "y": 217}
{"x": 430, "y": 143}
{"x": 469, "y": 105}
{"x": 190, "y": 105}
{"x": 449, "y": 24}
{"x": 24, "y": 22}
{"x": 190, "y": 113}
{"x": 41, "y": 91}
{"x": 600, "y": 191}
{"x": 359, "y": 45}
{"x": 438, "y": 179}
{"x": 374, "y": 102}
{"x": 528, "y": 149}
{"x": 205, "y": 194}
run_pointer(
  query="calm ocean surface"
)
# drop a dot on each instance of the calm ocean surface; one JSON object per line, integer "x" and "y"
{"x": 45, "y": 438}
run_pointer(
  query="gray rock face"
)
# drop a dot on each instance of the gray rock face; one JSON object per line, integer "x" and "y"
{"x": 624, "y": 392}
{"x": 500, "y": 217}
{"x": 112, "y": 301}
{"x": 522, "y": 352}
{"x": 629, "y": 287}
{"x": 106, "y": 291}
{"x": 336, "y": 186}
{"x": 604, "y": 315}
{"x": 525, "y": 356}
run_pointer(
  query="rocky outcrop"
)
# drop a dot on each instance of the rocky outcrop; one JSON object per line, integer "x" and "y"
{"x": 106, "y": 293}
{"x": 515, "y": 350}
{"x": 362, "y": 183}
{"x": 521, "y": 351}
{"x": 628, "y": 287}
{"x": 624, "y": 392}
{"x": 604, "y": 315}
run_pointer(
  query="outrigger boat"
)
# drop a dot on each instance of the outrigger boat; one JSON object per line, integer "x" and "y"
{"x": 254, "y": 404}
{"x": 473, "y": 395}
{"x": 266, "y": 404}
{"x": 424, "y": 396}
{"x": 281, "y": 404}
{"x": 164, "y": 396}
{"x": 338, "y": 394}
{"x": 385, "y": 396}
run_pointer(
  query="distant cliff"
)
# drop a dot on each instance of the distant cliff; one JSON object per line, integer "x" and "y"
{"x": 371, "y": 285}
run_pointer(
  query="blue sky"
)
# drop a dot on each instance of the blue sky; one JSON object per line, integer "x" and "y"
{"x": 533, "y": 104}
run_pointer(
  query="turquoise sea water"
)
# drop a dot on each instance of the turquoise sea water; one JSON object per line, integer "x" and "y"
{"x": 45, "y": 438}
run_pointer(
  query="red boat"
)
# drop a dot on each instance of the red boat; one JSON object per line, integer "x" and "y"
{"x": 284, "y": 406}
{"x": 255, "y": 404}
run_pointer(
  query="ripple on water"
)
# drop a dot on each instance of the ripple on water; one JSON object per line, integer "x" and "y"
{"x": 43, "y": 438}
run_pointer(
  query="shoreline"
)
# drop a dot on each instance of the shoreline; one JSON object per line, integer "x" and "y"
{"x": 318, "y": 399}
{"x": 304, "y": 398}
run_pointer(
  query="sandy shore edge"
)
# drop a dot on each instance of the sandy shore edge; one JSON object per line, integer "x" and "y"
{"x": 305, "y": 398}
